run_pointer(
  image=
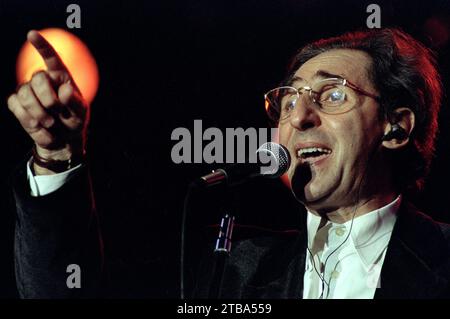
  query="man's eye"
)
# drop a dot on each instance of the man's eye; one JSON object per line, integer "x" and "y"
{"x": 335, "y": 95}
{"x": 289, "y": 102}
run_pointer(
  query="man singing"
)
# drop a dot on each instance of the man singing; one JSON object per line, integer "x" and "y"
{"x": 358, "y": 114}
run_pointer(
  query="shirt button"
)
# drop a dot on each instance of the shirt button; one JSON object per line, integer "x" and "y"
{"x": 335, "y": 274}
{"x": 340, "y": 231}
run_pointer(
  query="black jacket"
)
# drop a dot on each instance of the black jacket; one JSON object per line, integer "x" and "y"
{"x": 417, "y": 263}
{"x": 53, "y": 232}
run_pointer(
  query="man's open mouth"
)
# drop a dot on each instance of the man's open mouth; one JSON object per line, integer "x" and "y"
{"x": 312, "y": 154}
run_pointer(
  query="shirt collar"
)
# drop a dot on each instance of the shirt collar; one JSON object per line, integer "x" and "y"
{"x": 370, "y": 233}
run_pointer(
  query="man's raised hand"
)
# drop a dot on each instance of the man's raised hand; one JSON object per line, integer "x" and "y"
{"x": 51, "y": 109}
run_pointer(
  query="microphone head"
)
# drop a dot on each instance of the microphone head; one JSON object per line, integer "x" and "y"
{"x": 277, "y": 158}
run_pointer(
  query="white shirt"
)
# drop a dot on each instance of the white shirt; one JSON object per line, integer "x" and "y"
{"x": 353, "y": 269}
{"x": 42, "y": 185}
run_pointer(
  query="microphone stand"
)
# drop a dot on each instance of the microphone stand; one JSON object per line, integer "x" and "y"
{"x": 234, "y": 176}
{"x": 222, "y": 248}
{"x": 221, "y": 253}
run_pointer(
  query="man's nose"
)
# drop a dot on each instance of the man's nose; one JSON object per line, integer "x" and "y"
{"x": 305, "y": 114}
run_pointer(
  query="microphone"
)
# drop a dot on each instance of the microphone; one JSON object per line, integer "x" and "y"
{"x": 273, "y": 160}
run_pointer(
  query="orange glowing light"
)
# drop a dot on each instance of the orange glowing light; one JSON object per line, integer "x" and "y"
{"x": 75, "y": 54}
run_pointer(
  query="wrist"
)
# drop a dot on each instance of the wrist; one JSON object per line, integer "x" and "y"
{"x": 49, "y": 162}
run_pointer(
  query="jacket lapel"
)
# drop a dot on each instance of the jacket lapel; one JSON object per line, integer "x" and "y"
{"x": 417, "y": 263}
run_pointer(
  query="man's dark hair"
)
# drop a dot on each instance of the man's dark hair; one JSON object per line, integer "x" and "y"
{"x": 405, "y": 75}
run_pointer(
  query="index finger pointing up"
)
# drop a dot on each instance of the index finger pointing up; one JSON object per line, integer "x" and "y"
{"x": 48, "y": 53}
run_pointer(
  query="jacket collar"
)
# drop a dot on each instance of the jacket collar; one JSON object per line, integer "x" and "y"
{"x": 417, "y": 263}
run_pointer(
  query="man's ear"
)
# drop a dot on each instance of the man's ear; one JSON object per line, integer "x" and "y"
{"x": 405, "y": 119}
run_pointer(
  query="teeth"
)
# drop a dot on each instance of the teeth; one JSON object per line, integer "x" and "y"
{"x": 303, "y": 151}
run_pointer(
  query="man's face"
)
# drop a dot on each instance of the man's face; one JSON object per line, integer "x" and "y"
{"x": 332, "y": 180}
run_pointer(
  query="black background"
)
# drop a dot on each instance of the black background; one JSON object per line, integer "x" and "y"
{"x": 165, "y": 63}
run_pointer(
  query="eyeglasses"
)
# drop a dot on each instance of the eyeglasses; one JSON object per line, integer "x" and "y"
{"x": 331, "y": 96}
